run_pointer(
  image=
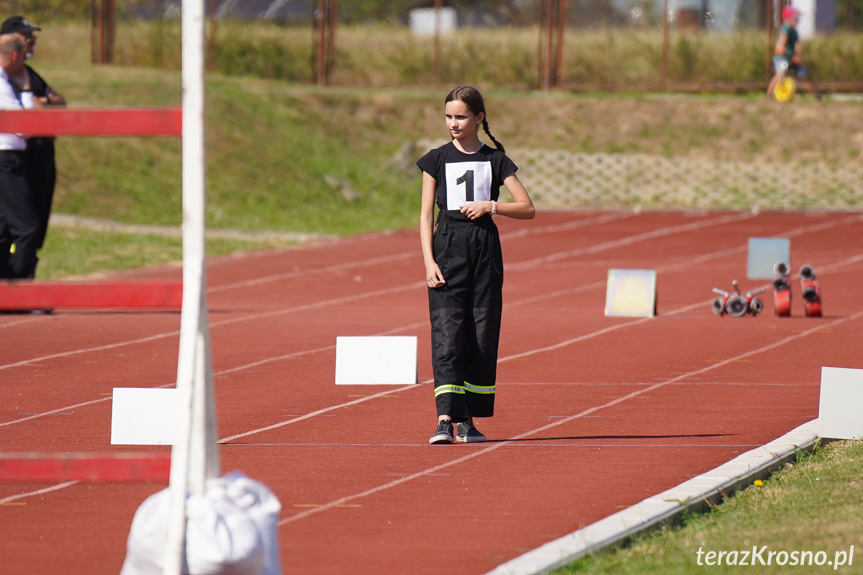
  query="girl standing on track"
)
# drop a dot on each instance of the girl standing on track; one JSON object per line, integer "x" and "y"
{"x": 464, "y": 264}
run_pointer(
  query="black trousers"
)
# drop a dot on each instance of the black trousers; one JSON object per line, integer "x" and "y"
{"x": 465, "y": 318}
{"x": 19, "y": 221}
{"x": 42, "y": 178}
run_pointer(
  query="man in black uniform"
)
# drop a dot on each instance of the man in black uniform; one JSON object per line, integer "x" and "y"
{"x": 19, "y": 222}
{"x": 39, "y": 157}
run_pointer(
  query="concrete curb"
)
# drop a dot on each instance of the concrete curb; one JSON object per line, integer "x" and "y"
{"x": 694, "y": 495}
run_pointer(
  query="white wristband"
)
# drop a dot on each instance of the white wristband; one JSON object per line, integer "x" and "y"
{"x": 493, "y": 208}
{"x": 27, "y": 101}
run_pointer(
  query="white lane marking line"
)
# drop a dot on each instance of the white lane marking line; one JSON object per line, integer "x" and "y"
{"x": 388, "y": 259}
{"x": 336, "y": 301}
{"x": 614, "y": 402}
{"x": 57, "y": 487}
{"x": 831, "y": 267}
{"x": 313, "y": 413}
{"x": 583, "y": 414}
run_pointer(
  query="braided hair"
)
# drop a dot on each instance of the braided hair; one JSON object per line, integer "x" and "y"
{"x": 471, "y": 98}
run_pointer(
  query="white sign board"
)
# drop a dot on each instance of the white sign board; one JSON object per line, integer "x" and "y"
{"x": 376, "y": 360}
{"x": 143, "y": 416}
{"x": 630, "y": 293}
{"x": 840, "y": 410}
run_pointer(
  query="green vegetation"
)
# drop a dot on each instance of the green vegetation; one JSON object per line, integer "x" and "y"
{"x": 812, "y": 505}
{"x": 387, "y": 54}
{"x": 286, "y": 158}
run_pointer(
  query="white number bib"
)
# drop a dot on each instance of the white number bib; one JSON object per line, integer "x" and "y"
{"x": 467, "y": 182}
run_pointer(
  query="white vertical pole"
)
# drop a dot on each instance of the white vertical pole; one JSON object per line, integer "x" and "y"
{"x": 194, "y": 458}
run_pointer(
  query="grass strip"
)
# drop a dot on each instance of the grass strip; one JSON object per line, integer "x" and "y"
{"x": 73, "y": 252}
{"x": 805, "y": 514}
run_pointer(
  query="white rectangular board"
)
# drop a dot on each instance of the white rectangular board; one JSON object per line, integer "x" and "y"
{"x": 840, "y": 410}
{"x": 144, "y": 416}
{"x": 376, "y": 360}
{"x": 764, "y": 254}
{"x": 630, "y": 293}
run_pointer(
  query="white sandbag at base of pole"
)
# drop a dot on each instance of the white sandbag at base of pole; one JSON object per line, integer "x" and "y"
{"x": 232, "y": 529}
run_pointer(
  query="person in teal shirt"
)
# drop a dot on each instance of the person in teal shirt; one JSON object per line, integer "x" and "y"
{"x": 788, "y": 53}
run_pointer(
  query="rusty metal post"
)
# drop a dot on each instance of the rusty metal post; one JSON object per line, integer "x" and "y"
{"x": 320, "y": 19}
{"x": 110, "y": 30}
{"x": 102, "y": 31}
{"x": 769, "y": 17}
{"x": 212, "y": 63}
{"x": 665, "y": 42}
{"x": 331, "y": 38}
{"x": 561, "y": 26}
{"x": 540, "y": 5}
{"x": 438, "y": 4}
{"x": 102, "y": 19}
{"x": 94, "y": 24}
{"x": 549, "y": 32}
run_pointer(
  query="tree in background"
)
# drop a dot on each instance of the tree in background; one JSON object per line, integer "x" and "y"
{"x": 849, "y": 14}
{"x": 39, "y": 10}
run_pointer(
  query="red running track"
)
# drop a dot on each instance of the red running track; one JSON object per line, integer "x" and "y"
{"x": 594, "y": 413}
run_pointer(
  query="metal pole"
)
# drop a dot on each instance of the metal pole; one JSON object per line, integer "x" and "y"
{"x": 320, "y": 18}
{"x": 102, "y": 18}
{"x": 195, "y": 455}
{"x": 212, "y": 63}
{"x": 549, "y": 26}
{"x": 561, "y": 26}
{"x": 110, "y": 30}
{"x": 665, "y": 42}
{"x": 769, "y": 15}
{"x": 539, "y": 55}
{"x": 94, "y": 23}
{"x": 436, "y": 64}
{"x": 331, "y": 37}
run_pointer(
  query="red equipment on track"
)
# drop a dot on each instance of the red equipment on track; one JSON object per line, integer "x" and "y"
{"x": 736, "y": 304}
{"x": 781, "y": 290}
{"x": 811, "y": 292}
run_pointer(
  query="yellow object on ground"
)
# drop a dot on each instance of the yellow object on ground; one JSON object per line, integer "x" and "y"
{"x": 784, "y": 91}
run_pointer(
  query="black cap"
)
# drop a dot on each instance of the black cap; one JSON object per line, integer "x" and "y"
{"x": 18, "y": 24}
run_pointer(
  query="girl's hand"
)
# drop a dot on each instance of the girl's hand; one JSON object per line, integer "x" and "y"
{"x": 434, "y": 277}
{"x": 475, "y": 210}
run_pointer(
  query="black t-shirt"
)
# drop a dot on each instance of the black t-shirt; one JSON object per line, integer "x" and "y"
{"x": 38, "y": 85}
{"x": 463, "y": 178}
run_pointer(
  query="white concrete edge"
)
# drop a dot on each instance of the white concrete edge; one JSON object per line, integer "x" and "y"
{"x": 691, "y": 495}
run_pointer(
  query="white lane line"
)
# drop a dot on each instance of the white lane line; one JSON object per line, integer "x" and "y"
{"x": 314, "y": 413}
{"x": 390, "y": 258}
{"x": 11, "y": 498}
{"x": 629, "y": 240}
{"x": 337, "y": 301}
{"x": 431, "y": 471}
{"x": 591, "y": 410}
{"x": 826, "y": 269}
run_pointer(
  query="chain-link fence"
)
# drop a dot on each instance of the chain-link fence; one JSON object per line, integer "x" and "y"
{"x": 558, "y": 177}
{"x": 677, "y": 45}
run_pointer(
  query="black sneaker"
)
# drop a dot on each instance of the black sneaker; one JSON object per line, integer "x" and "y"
{"x": 443, "y": 433}
{"x": 467, "y": 433}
